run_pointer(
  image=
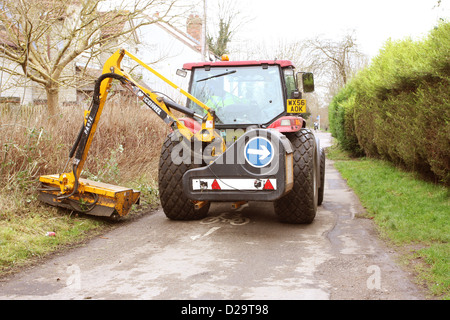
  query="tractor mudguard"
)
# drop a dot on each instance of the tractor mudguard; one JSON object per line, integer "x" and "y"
{"x": 257, "y": 167}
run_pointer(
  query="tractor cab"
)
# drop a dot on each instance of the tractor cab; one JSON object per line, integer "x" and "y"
{"x": 244, "y": 93}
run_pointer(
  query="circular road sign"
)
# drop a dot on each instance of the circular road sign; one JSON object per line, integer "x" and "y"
{"x": 259, "y": 152}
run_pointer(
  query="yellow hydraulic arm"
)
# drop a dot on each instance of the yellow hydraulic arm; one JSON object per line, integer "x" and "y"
{"x": 69, "y": 190}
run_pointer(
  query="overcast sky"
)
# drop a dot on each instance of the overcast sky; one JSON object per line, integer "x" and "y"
{"x": 374, "y": 21}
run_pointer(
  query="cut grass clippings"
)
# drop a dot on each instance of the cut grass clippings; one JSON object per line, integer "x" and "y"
{"x": 409, "y": 212}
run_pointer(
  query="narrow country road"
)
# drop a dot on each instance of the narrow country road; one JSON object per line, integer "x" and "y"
{"x": 244, "y": 254}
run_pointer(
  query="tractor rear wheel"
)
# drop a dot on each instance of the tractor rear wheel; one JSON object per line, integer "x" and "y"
{"x": 175, "y": 204}
{"x": 299, "y": 206}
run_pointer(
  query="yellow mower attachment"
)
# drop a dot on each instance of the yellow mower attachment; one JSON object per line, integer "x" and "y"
{"x": 69, "y": 191}
{"x": 95, "y": 198}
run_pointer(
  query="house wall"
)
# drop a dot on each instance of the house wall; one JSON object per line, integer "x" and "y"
{"x": 166, "y": 50}
{"x": 159, "y": 45}
{"x": 14, "y": 86}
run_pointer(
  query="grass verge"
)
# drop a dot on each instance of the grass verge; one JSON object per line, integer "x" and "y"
{"x": 410, "y": 213}
{"x": 25, "y": 224}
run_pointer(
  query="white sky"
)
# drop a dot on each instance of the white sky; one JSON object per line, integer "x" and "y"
{"x": 374, "y": 21}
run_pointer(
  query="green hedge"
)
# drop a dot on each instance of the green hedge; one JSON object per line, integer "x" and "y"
{"x": 342, "y": 125}
{"x": 398, "y": 108}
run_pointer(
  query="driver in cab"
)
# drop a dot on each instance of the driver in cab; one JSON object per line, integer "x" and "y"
{"x": 220, "y": 98}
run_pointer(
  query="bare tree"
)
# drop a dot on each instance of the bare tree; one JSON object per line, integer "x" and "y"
{"x": 336, "y": 60}
{"x": 332, "y": 62}
{"x": 229, "y": 19}
{"x": 46, "y": 37}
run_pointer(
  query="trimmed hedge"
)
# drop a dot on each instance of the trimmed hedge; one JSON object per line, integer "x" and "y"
{"x": 342, "y": 125}
{"x": 398, "y": 108}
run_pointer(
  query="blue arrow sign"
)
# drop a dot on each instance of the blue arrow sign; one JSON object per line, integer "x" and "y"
{"x": 259, "y": 152}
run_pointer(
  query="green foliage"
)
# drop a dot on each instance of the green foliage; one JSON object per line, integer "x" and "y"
{"x": 219, "y": 46}
{"x": 21, "y": 159}
{"x": 109, "y": 168}
{"x": 342, "y": 127}
{"x": 398, "y": 107}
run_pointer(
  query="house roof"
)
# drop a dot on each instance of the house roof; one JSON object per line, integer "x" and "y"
{"x": 113, "y": 22}
{"x": 180, "y": 35}
{"x": 5, "y": 39}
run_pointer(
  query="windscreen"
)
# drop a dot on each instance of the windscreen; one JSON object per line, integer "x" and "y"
{"x": 239, "y": 95}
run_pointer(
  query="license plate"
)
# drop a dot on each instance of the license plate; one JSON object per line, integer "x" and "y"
{"x": 296, "y": 106}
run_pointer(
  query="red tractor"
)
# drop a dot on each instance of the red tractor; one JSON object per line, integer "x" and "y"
{"x": 242, "y": 139}
{"x": 269, "y": 154}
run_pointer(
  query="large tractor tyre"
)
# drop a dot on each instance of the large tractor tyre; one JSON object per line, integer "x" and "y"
{"x": 175, "y": 204}
{"x": 322, "y": 177}
{"x": 299, "y": 206}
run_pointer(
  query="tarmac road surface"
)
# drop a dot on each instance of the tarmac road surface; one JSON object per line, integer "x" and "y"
{"x": 245, "y": 254}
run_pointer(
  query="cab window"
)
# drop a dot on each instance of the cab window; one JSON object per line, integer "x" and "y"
{"x": 289, "y": 78}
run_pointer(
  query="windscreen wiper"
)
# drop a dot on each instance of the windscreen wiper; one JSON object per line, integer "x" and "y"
{"x": 218, "y": 75}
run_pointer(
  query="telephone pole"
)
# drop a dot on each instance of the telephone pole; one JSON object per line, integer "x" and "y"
{"x": 204, "y": 30}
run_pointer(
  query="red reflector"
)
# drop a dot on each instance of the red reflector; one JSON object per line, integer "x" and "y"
{"x": 215, "y": 185}
{"x": 268, "y": 185}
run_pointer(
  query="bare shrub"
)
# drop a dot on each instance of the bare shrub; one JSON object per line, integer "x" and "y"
{"x": 126, "y": 145}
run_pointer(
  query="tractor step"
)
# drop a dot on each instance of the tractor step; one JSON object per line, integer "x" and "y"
{"x": 95, "y": 198}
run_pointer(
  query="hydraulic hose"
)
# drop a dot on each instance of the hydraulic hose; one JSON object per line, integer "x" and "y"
{"x": 85, "y": 131}
{"x": 93, "y": 114}
{"x": 77, "y": 141}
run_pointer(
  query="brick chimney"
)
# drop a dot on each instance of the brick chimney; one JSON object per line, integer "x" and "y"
{"x": 194, "y": 26}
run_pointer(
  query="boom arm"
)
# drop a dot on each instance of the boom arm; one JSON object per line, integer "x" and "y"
{"x": 111, "y": 71}
{"x": 69, "y": 185}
